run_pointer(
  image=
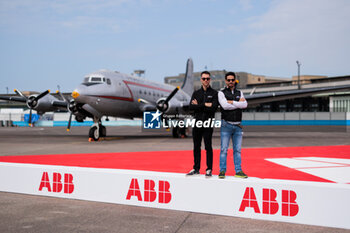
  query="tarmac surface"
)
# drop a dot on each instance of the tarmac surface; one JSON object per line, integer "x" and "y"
{"x": 28, "y": 213}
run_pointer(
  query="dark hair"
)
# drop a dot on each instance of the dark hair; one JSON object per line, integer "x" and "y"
{"x": 205, "y": 72}
{"x": 230, "y": 73}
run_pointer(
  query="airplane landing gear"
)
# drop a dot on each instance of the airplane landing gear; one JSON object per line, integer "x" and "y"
{"x": 179, "y": 132}
{"x": 103, "y": 131}
{"x": 94, "y": 133}
{"x": 97, "y": 130}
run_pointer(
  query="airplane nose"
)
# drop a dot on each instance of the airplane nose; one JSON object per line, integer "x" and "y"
{"x": 75, "y": 94}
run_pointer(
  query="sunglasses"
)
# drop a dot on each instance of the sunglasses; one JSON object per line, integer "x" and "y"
{"x": 205, "y": 79}
{"x": 230, "y": 80}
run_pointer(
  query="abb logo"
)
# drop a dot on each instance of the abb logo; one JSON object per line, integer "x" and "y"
{"x": 269, "y": 202}
{"x": 68, "y": 186}
{"x": 150, "y": 194}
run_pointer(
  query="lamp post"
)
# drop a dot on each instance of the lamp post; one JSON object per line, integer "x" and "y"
{"x": 299, "y": 64}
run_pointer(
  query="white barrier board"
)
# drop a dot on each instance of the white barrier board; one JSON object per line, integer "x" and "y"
{"x": 322, "y": 204}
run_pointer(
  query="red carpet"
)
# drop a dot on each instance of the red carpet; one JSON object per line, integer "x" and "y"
{"x": 253, "y": 161}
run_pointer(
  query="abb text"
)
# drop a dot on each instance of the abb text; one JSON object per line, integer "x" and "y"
{"x": 56, "y": 185}
{"x": 270, "y": 205}
{"x": 150, "y": 194}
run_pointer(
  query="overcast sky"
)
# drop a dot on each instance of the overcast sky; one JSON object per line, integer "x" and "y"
{"x": 48, "y": 43}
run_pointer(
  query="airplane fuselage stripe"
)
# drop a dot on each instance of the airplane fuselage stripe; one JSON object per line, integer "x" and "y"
{"x": 148, "y": 86}
{"x": 114, "y": 97}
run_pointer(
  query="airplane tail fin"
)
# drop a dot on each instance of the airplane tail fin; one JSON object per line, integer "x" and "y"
{"x": 187, "y": 85}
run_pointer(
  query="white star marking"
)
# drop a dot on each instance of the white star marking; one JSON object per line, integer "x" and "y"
{"x": 156, "y": 115}
{"x": 334, "y": 169}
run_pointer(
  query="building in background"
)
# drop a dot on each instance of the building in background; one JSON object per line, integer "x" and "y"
{"x": 218, "y": 79}
{"x": 251, "y": 83}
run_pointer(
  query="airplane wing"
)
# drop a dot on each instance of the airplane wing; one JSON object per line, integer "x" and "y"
{"x": 14, "y": 98}
{"x": 60, "y": 103}
{"x": 283, "y": 95}
{"x": 43, "y": 102}
{"x": 148, "y": 107}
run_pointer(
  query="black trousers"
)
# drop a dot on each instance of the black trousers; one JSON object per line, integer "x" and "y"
{"x": 198, "y": 134}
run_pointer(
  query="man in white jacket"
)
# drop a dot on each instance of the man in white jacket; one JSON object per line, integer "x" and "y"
{"x": 232, "y": 102}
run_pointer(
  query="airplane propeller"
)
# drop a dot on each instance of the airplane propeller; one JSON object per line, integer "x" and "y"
{"x": 71, "y": 106}
{"x": 163, "y": 105}
{"x": 62, "y": 96}
{"x": 20, "y": 93}
{"x": 32, "y": 101}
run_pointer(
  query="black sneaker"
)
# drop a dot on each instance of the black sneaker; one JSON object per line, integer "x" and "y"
{"x": 241, "y": 175}
{"x": 208, "y": 173}
{"x": 222, "y": 175}
{"x": 192, "y": 172}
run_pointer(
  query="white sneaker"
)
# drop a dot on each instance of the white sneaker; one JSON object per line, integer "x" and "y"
{"x": 192, "y": 172}
{"x": 208, "y": 173}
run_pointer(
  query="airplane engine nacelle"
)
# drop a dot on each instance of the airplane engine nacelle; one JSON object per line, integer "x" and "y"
{"x": 41, "y": 105}
{"x": 78, "y": 111}
{"x": 170, "y": 107}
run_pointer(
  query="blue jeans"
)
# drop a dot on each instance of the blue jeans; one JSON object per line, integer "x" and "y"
{"x": 227, "y": 132}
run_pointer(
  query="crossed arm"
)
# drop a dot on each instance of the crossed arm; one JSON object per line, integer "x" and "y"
{"x": 230, "y": 104}
{"x": 206, "y": 106}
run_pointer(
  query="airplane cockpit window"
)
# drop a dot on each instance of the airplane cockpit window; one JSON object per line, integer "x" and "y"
{"x": 95, "y": 80}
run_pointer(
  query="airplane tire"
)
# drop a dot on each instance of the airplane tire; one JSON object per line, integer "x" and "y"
{"x": 94, "y": 133}
{"x": 79, "y": 119}
{"x": 183, "y": 133}
{"x": 103, "y": 131}
{"x": 176, "y": 132}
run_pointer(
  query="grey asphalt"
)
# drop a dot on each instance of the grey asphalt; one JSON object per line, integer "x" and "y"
{"x": 28, "y": 213}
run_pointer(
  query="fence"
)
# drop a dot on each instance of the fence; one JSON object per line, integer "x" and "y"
{"x": 249, "y": 118}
